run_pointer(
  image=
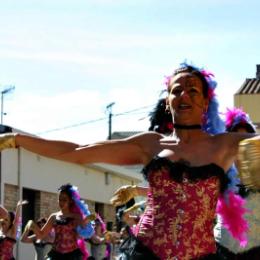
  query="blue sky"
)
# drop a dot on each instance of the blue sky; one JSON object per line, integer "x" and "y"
{"x": 69, "y": 59}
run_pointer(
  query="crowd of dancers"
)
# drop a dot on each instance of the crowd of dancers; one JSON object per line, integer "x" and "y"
{"x": 196, "y": 206}
{"x": 66, "y": 234}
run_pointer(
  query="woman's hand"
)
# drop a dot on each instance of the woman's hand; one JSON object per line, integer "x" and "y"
{"x": 135, "y": 207}
{"x": 123, "y": 195}
{"x": 30, "y": 225}
{"x": 108, "y": 235}
{"x": 22, "y": 202}
{"x": 89, "y": 218}
{"x": 249, "y": 162}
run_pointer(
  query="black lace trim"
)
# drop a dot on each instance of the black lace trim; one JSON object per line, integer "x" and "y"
{"x": 42, "y": 244}
{"x": 63, "y": 221}
{"x": 2, "y": 238}
{"x": 192, "y": 173}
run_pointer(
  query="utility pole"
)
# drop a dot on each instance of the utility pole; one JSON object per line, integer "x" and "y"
{"x": 3, "y": 92}
{"x": 109, "y": 109}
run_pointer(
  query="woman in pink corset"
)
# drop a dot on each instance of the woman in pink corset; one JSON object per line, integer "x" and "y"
{"x": 186, "y": 171}
{"x": 70, "y": 224}
{"x": 9, "y": 223}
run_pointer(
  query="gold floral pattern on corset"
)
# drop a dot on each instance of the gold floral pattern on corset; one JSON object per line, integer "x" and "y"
{"x": 178, "y": 220}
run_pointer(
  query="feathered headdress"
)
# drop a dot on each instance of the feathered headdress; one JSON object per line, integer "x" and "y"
{"x": 82, "y": 208}
{"x": 236, "y": 118}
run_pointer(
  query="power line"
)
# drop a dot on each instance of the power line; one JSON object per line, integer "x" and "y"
{"x": 72, "y": 126}
{"x": 96, "y": 120}
{"x": 134, "y": 110}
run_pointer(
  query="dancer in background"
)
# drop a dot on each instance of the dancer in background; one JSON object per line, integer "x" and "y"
{"x": 238, "y": 121}
{"x": 160, "y": 121}
{"x": 9, "y": 224}
{"x": 41, "y": 246}
{"x": 186, "y": 171}
{"x": 70, "y": 223}
{"x": 98, "y": 242}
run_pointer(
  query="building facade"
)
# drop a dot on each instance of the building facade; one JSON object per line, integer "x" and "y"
{"x": 248, "y": 97}
{"x": 25, "y": 175}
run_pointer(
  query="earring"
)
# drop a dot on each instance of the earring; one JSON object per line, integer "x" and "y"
{"x": 167, "y": 109}
{"x": 205, "y": 110}
{"x": 205, "y": 116}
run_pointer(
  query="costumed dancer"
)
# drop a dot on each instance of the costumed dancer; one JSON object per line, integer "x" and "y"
{"x": 9, "y": 225}
{"x": 160, "y": 121}
{"x": 98, "y": 242}
{"x": 186, "y": 171}
{"x": 238, "y": 121}
{"x": 70, "y": 224}
{"x": 41, "y": 246}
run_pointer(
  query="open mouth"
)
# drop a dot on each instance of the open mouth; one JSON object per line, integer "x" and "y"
{"x": 184, "y": 107}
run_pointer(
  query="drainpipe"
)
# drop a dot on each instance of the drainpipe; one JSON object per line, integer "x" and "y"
{"x": 20, "y": 197}
{"x": 1, "y": 182}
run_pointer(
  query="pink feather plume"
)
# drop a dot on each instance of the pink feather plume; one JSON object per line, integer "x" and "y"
{"x": 232, "y": 211}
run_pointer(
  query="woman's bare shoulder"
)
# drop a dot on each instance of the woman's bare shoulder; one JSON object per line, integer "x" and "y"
{"x": 149, "y": 135}
{"x": 149, "y": 143}
{"x": 232, "y": 137}
{"x": 53, "y": 216}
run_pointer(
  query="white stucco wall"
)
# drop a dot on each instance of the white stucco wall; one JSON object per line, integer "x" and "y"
{"x": 41, "y": 173}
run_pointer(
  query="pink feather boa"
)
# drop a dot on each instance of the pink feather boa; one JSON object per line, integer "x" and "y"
{"x": 231, "y": 209}
{"x": 83, "y": 249}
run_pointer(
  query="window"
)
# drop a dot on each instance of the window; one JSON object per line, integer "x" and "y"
{"x": 28, "y": 210}
{"x": 107, "y": 178}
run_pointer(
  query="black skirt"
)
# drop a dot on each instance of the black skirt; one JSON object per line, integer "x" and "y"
{"x": 134, "y": 249}
{"x": 224, "y": 253}
{"x": 251, "y": 254}
{"x": 74, "y": 255}
{"x": 209, "y": 257}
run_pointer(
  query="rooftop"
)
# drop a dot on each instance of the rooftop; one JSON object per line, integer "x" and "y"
{"x": 251, "y": 86}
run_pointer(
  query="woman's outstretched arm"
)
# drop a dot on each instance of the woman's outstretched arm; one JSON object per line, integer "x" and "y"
{"x": 134, "y": 150}
{"x": 26, "y": 238}
{"x": 138, "y": 149}
{"x": 41, "y": 233}
{"x": 45, "y": 147}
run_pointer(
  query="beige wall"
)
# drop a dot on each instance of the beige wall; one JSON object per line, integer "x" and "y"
{"x": 251, "y": 104}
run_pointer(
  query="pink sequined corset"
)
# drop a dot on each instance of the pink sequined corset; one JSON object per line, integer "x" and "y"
{"x": 178, "y": 220}
{"x": 65, "y": 235}
{"x": 6, "y": 248}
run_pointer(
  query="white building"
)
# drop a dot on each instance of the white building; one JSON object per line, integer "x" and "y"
{"x": 36, "y": 178}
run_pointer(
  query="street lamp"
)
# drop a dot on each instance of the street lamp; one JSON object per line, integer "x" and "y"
{"x": 3, "y": 92}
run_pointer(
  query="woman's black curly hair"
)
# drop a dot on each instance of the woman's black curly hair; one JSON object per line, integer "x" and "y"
{"x": 160, "y": 119}
{"x": 66, "y": 188}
